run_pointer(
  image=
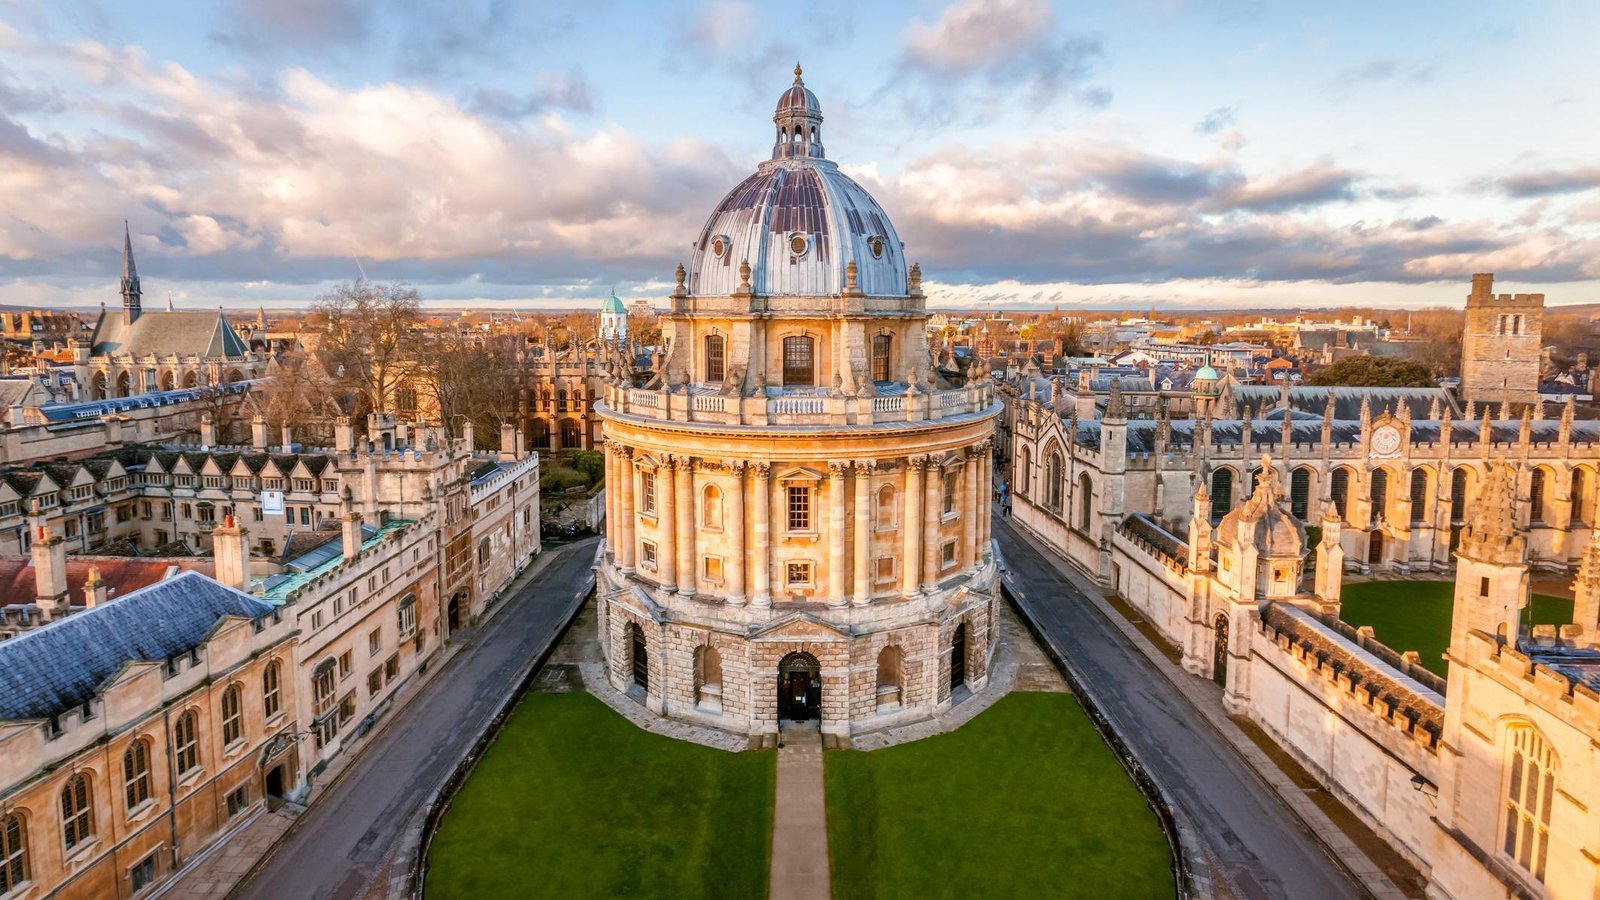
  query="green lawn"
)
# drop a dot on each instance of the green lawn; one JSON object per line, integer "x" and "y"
{"x": 572, "y": 800}
{"x": 1415, "y": 615}
{"x": 1024, "y": 801}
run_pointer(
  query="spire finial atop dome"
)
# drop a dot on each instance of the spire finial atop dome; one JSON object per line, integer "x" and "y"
{"x": 799, "y": 121}
{"x": 797, "y": 72}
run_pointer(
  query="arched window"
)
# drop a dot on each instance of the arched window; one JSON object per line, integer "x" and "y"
{"x": 1419, "y": 495}
{"x": 1582, "y": 503}
{"x": 569, "y": 434}
{"x": 1380, "y": 495}
{"x": 1458, "y": 496}
{"x": 638, "y": 655}
{"x": 77, "y": 815}
{"x": 891, "y": 676}
{"x": 186, "y": 741}
{"x": 1221, "y": 492}
{"x": 799, "y": 361}
{"x": 1055, "y": 481}
{"x": 1530, "y": 789}
{"x": 122, "y": 385}
{"x": 271, "y": 689}
{"x": 1339, "y": 490}
{"x": 1023, "y": 461}
{"x": 882, "y": 344}
{"x": 561, "y": 400}
{"x": 1536, "y": 496}
{"x": 708, "y": 677}
{"x": 13, "y": 852}
{"x": 1085, "y": 500}
{"x": 485, "y": 551}
{"x": 716, "y": 358}
{"x": 711, "y": 507}
{"x": 884, "y": 516}
{"x": 1300, "y": 493}
{"x": 232, "y": 715}
{"x": 136, "y": 773}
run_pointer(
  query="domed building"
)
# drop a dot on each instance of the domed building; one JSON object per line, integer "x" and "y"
{"x": 798, "y": 521}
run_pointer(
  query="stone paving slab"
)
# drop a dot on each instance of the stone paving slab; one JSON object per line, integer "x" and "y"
{"x": 800, "y": 820}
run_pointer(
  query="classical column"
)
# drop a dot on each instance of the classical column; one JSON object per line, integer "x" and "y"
{"x": 687, "y": 522}
{"x": 932, "y": 514}
{"x": 667, "y": 515}
{"x": 737, "y": 557}
{"x": 910, "y": 530}
{"x": 985, "y": 485}
{"x": 625, "y": 535}
{"x": 613, "y": 501}
{"x": 836, "y": 594}
{"x": 973, "y": 500}
{"x": 863, "y": 535}
{"x": 761, "y": 562}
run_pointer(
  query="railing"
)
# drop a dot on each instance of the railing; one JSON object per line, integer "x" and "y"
{"x": 712, "y": 403}
{"x": 797, "y": 406}
{"x": 832, "y": 411}
{"x": 888, "y": 404}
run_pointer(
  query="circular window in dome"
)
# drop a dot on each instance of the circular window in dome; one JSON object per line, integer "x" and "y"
{"x": 719, "y": 246}
{"x": 875, "y": 244}
{"x": 798, "y": 244}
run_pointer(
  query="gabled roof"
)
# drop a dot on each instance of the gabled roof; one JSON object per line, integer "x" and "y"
{"x": 184, "y": 332}
{"x": 53, "y": 669}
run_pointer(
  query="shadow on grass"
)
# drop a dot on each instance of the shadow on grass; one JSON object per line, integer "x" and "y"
{"x": 1415, "y": 615}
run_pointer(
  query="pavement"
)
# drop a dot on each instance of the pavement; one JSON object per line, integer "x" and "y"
{"x": 342, "y": 846}
{"x": 1250, "y": 843}
{"x": 799, "y": 817}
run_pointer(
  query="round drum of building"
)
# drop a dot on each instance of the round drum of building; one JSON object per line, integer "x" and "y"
{"x": 798, "y": 498}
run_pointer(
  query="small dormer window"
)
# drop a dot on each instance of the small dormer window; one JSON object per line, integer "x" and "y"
{"x": 799, "y": 244}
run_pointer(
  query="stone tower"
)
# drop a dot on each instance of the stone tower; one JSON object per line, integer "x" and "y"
{"x": 1501, "y": 345}
{"x": 1491, "y": 565}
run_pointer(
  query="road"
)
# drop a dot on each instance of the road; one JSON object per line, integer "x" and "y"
{"x": 347, "y": 834}
{"x": 1256, "y": 845}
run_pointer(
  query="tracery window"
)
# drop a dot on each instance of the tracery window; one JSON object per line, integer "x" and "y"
{"x": 232, "y": 716}
{"x": 1530, "y": 788}
{"x": 77, "y": 815}
{"x": 186, "y": 741}
{"x": 1221, "y": 492}
{"x": 1419, "y": 495}
{"x": 1380, "y": 495}
{"x": 136, "y": 773}
{"x": 271, "y": 689}
{"x": 1055, "y": 483}
{"x": 13, "y": 853}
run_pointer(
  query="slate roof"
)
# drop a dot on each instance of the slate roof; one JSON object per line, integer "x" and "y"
{"x": 185, "y": 332}
{"x": 1346, "y": 400}
{"x": 53, "y": 669}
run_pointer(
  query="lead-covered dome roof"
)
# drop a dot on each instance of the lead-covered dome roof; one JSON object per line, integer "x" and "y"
{"x": 798, "y": 221}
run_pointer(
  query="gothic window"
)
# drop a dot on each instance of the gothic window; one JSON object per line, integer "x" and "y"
{"x": 569, "y": 434}
{"x": 1300, "y": 493}
{"x": 881, "y": 345}
{"x": 1536, "y": 497}
{"x": 1221, "y": 492}
{"x": 1056, "y": 484}
{"x": 1530, "y": 789}
{"x": 799, "y": 507}
{"x": 1380, "y": 495}
{"x": 716, "y": 365}
{"x": 186, "y": 741}
{"x": 885, "y": 514}
{"x": 1582, "y": 506}
{"x": 322, "y": 687}
{"x": 136, "y": 773}
{"x": 799, "y": 361}
{"x": 77, "y": 815}
{"x": 1419, "y": 495}
{"x": 1458, "y": 495}
{"x": 647, "y": 493}
{"x": 711, "y": 507}
{"x": 232, "y": 715}
{"x": 1085, "y": 500}
{"x": 1339, "y": 490}
{"x": 13, "y": 853}
{"x": 271, "y": 689}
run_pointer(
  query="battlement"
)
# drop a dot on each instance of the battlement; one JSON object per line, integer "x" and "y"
{"x": 1483, "y": 295}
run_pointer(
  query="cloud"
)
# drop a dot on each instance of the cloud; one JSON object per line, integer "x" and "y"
{"x": 554, "y": 91}
{"x": 979, "y": 52}
{"x": 1219, "y": 119}
{"x": 1549, "y": 182}
{"x": 1377, "y": 70}
{"x": 299, "y": 22}
{"x": 1312, "y": 186}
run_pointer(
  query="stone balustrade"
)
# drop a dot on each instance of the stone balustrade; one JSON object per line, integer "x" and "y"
{"x": 680, "y": 405}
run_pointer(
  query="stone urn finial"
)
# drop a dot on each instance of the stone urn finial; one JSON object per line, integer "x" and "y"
{"x": 681, "y": 276}
{"x": 744, "y": 276}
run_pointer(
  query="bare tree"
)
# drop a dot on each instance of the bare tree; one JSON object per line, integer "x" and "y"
{"x": 300, "y": 392}
{"x": 372, "y": 331}
{"x": 474, "y": 379}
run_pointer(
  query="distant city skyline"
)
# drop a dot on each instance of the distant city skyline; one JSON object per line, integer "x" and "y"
{"x": 1150, "y": 153}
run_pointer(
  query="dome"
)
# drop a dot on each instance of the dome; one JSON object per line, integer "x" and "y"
{"x": 613, "y": 305}
{"x": 1206, "y": 373}
{"x": 1261, "y": 520}
{"x": 799, "y": 222}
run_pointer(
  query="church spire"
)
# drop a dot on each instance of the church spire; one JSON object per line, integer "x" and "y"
{"x": 130, "y": 277}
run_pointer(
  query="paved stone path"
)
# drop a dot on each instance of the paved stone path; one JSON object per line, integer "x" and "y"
{"x": 800, "y": 819}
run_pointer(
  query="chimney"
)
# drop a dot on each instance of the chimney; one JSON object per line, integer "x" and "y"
{"x": 94, "y": 589}
{"x": 49, "y": 570}
{"x": 288, "y": 438}
{"x": 468, "y": 436}
{"x": 344, "y": 435}
{"x": 352, "y": 527}
{"x": 258, "y": 432}
{"x": 508, "y": 442}
{"x": 232, "y": 554}
{"x": 208, "y": 430}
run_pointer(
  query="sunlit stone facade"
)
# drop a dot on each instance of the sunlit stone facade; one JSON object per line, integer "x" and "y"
{"x": 798, "y": 520}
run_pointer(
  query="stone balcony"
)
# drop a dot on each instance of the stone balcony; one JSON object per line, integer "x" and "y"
{"x": 800, "y": 407}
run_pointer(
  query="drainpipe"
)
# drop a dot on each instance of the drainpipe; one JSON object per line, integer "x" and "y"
{"x": 172, "y": 783}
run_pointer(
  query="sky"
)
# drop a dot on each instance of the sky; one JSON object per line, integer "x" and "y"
{"x": 496, "y": 154}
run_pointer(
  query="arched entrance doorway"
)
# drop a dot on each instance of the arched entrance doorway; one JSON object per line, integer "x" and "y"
{"x": 1219, "y": 652}
{"x": 799, "y": 687}
{"x": 452, "y": 612}
{"x": 958, "y": 657}
{"x": 1375, "y": 549}
{"x": 639, "y": 655}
